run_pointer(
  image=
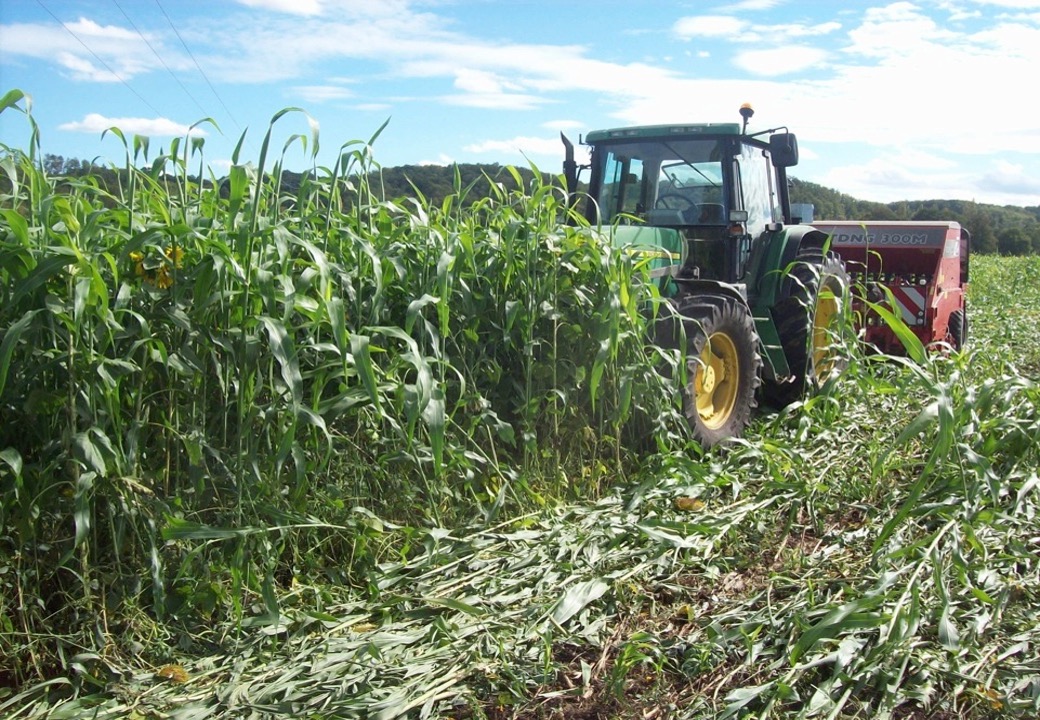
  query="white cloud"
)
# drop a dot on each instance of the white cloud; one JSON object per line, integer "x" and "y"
{"x": 522, "y": 145}
{"x": 322, "y": 93}
{"x": 480, "y": 82}
{"x": 887, "y": 179}
{"x": 889, "y": 76}
{"x": 1008, "y": 177}
{"x": 564, "y": 125}
{"x": 737, "y": 30}
{"x": 114, "y": 54}
{"x": 753, "y": 5}
{"x": 83, "y": 69}
{"x": 779, "y": 61}
{"x": 903, "y": 174}
{"x": 714, "y": 26}
{"x": 292, "y": 7}
{"x": 898, "y": 75}
{"x": 897, "y": 30}
{"x": 441, "y": 160}
{"x": 1015, "y": 4}
{"x": 494, "y": 101}
{"x": 800, "y": 31}
{"x": 806, "y": 152}
{"x": 149, "y": 127}
{"x": 89, "y": 30}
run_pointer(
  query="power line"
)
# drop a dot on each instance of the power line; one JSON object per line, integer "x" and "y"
{"x": 159, "y": 58}
{"x": 104, "y": 64}
{"x": 201, "y": 71}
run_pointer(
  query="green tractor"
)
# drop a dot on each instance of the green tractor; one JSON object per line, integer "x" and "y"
{"x": 754, "y": 299}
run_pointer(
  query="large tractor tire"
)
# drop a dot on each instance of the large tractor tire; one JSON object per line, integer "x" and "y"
{"x": 723, "y": 366}
{"x": 809, "y": 318}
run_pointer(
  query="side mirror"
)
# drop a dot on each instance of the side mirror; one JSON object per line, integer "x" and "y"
{"x": 784, "y": 149}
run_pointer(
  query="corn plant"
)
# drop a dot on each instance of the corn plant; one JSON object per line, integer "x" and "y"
{"x": 202, "y": 378}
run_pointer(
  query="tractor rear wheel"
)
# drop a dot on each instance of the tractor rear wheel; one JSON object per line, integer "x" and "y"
{"x": 809, "y": 318}
{"x": 723, "y": 367}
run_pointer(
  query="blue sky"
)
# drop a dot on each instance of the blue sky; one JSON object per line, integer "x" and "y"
{"x": 890, "y": 100}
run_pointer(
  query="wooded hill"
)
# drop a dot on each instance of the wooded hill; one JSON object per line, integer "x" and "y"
{"x": 1008, "y": 230}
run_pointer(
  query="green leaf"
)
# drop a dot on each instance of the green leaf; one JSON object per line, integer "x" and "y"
{"x": 81, "y": 514}
{"x": 9, "y": 342}
{"x": 54, "y": 263}
{"x": 236, "y": 153}
{"x": 598, "y": 366}
{"x": 18, "y": 224}
{"x": 434, "y": 417}
{"x": 912, "y": 343}
{"x": 11, "y": 99}
{"x": 949, "y": 637}
{"x": 88, "y": 453}
{"x": 453, "y": 604}
{"x": 741, "y": 697}
{"x": 359, "y": 349}
{"x": 13, "y": 460}
{"x": 338, "y": 320}
{"x": 853, "y": 615}
{"x": 413, "y": 310}
{"x": 141, "y": 143}
{"x": 576, "y": 598}
{"x": 238, "y": 182}
{"x": 180, "y": 529}
{"x": 285, "y": 353}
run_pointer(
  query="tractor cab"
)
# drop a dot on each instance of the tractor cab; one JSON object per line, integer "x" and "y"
{"x": 709, "y": 190}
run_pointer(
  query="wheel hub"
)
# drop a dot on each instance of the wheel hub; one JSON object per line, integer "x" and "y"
{"x": 707, "y": 379}
{"x": 716, "y": 381}
{"x": 828, "y": 310}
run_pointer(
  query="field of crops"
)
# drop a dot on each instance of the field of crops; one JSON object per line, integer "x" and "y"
{"x": 320, "y": 454}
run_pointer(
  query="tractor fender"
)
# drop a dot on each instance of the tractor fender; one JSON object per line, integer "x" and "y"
{"x": 779, "y": 248}
{"x": 803, "y": 236}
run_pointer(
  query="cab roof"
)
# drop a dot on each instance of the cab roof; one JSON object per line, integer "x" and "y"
{"x": 663, "y": 131}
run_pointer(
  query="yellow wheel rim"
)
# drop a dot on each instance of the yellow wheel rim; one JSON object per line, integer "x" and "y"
{"x": 828, "y": 309}
{"x": 716, "y": 381}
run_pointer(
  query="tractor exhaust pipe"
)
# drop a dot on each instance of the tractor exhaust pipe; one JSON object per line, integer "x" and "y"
{"x": 570, "y": 171}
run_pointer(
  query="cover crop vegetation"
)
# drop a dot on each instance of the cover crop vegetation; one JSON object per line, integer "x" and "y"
{"x": 323, "y": 454}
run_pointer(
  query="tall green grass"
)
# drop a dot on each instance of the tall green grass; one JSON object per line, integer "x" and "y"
{"x": 209, "y": 386}
{"x": 325, "y": 454}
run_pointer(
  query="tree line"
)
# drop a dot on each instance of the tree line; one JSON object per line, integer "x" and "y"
{"x": 1007, "y": 230}
{"x": 1003, "y": 229}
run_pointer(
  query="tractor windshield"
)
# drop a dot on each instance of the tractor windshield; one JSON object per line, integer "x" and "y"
{"x": 662, "y": 182}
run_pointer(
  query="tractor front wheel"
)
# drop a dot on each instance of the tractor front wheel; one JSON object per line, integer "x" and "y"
{"x": 722, "y": 363}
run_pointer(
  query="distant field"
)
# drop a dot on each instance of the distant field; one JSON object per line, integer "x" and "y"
{"x": 263, "y": 453}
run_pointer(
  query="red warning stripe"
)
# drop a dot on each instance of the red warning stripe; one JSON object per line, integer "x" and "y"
{"x": 912, "y": 300}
